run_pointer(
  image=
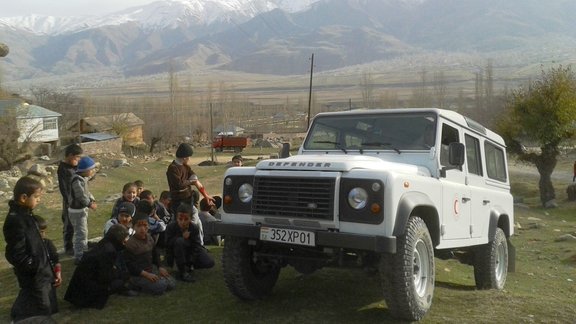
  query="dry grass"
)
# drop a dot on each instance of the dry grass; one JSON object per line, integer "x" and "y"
{"x": 542, "y": 290}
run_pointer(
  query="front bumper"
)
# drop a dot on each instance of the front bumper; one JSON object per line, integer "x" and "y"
{"x": 373, "y": 243}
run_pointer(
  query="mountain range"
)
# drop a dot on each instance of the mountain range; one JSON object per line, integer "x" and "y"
{"x": 277, "y": 36}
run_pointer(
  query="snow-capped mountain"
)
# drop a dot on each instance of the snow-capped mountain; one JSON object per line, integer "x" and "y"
{"x": 277, "y": 36}
{"x": 159, "y": 14}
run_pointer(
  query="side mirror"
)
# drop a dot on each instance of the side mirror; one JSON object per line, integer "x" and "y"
{"x": 456, "y": 151}
{"x": 456, "y": 154}
{"x": 285, "y": 151}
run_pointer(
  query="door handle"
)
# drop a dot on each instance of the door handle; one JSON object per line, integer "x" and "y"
{"x": 485, "y": 201}
{"x": 465, "y": 199}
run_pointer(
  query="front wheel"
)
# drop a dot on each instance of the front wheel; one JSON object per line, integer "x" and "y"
{"x": 491, "y": 263}
{"x": 247, "y": 277}
{"x": 408, "y": 276}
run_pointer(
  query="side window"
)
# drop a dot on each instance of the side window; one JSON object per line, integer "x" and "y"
{"x": 473, "y": 155}
{"x": 495, "y": 162}
{"x": 449, "y": 135}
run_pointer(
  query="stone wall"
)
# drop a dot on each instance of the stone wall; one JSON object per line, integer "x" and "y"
{"x": 101, "y": 147}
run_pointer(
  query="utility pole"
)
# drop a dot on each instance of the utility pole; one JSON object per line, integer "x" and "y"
{"x": 210, "y": 138}
{"x": 310, "y": 90}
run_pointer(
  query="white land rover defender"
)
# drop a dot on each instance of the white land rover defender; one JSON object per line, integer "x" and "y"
{"x": 388, "y": 189}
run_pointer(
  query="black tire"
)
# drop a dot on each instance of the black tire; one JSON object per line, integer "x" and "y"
{"x": 491, "y": 263}
{"x": 408, "y": 276}
{"x": 245, "y": 278}
{"x": 237, "y": 149}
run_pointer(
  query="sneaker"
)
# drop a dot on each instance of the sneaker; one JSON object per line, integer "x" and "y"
{"x": 186, "y": 277}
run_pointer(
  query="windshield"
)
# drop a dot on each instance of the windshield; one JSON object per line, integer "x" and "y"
{"x": 396, "y": 132}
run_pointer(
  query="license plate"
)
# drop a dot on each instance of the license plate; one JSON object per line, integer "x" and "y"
{"x": 289, "y": 236}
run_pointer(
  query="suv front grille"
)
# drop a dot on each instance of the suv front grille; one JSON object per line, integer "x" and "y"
{"x": 294, "y": 197}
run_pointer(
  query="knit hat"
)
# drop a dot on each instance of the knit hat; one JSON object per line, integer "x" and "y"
{"x": 184, "y": 150}
{"x": 86, "y": 163}
{"x": 127, "y": 207}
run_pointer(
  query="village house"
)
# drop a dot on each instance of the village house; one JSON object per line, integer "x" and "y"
{"x": 36, "y": 125}
{"x": 126, "y": 125}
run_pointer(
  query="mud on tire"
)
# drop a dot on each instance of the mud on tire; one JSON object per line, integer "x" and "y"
{"x": 491, "y": 263}
{"x": 245, "y": 277}
{"x": 408, "y": 276}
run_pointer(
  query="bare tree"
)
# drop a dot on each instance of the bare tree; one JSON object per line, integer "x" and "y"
{"x": 440, "y": 89}
{"x": 367, "y": 89}
{"x": 10, "y": 151}
{"x": 420, "y": 95}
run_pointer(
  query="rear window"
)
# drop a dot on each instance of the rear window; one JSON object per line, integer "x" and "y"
{"x": 495, "y": 162}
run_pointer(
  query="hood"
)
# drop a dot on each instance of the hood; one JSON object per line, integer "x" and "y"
{"x": 338, "y": 163}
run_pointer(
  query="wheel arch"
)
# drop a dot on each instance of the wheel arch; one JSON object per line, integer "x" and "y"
{"x": 499, "y": 218}
{"x": 417, "y": 203}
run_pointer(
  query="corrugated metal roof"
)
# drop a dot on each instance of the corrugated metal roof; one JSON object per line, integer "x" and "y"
{"x": 24, "y": 110}
{"x": 98, "y": 136}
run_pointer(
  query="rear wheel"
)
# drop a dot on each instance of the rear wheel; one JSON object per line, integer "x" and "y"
{"x": 247, "y": 277}
{"x": 408, "y": 276}
{"x": 491, "y": 263}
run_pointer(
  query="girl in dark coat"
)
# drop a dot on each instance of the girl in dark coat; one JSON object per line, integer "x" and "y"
{"x": 97, "y": 276}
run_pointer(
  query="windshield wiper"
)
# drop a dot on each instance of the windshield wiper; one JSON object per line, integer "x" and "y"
{"x": 381, "y": 144}
{"x": 337, "y": 144}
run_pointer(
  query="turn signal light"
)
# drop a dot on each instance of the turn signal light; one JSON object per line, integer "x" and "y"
{"x": 227, "y": 200}
{"x": 375, "y": 208}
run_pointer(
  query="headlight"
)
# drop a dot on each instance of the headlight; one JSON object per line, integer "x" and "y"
{"x": 245, "y": 192}
{"x": 357, "y": 198}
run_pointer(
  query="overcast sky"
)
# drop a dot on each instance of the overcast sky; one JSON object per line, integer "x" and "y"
{"x": 10, "y": 8}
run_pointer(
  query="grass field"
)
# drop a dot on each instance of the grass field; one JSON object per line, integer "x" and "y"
{"x": 542, "y": 290}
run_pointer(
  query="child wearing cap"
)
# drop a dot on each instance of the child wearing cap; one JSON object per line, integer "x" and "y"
{"x": 181, "y": 178}
{"x": 80, "y": 201}
{"x": 126, "y": 211}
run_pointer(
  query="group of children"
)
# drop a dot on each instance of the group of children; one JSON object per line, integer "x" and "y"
{"x": 128, "y": 259}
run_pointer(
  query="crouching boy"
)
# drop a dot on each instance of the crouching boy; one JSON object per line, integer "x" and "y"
{"x": 143, "y": 261}
{"x": 97, "y": 277}
{"x": 184, "y": 242}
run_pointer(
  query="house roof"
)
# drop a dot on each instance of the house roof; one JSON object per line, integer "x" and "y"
{"x": 98, "y": 136}
{"x": 24, "y": 110}
{"x": 105, "y": 122}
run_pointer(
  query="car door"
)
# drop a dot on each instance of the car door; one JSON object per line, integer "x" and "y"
{"x": 455, "y": 193}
